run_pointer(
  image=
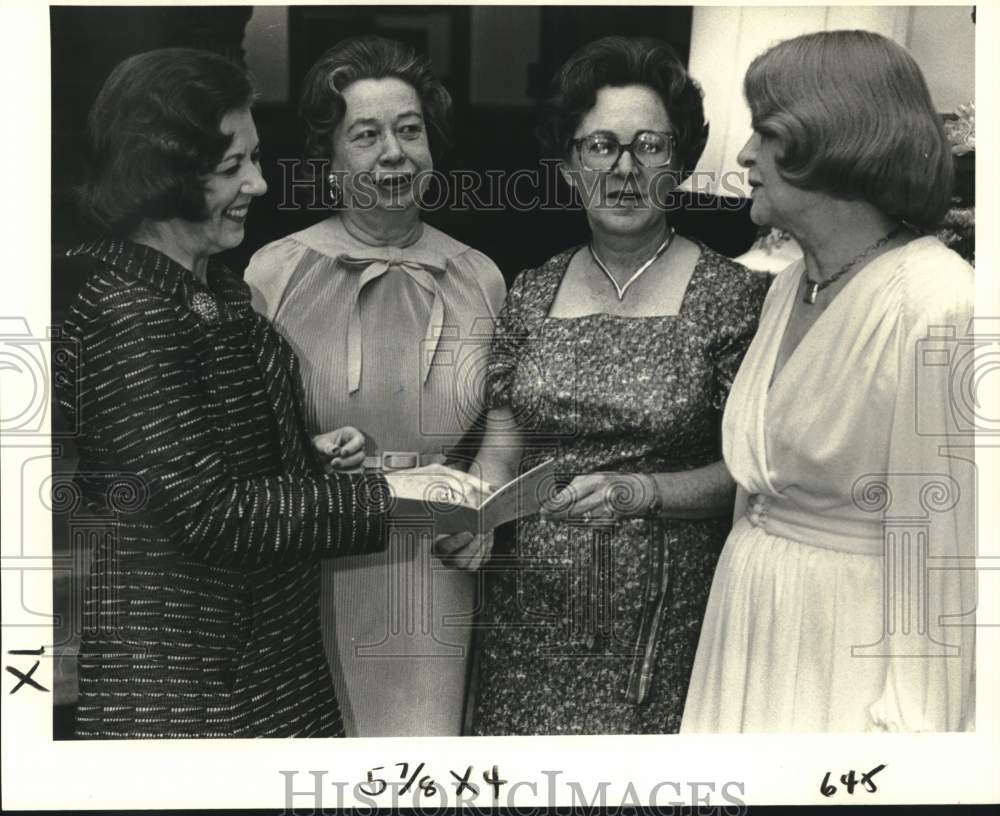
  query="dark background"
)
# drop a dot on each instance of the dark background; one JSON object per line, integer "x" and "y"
{"x": 88, "y": 42}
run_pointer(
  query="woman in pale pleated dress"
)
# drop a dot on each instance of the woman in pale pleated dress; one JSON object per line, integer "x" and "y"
{"x": 840, "y": 428}
{"x": 389, "y": 317}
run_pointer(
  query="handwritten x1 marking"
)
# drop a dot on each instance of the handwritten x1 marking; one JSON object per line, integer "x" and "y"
{"x": 26, "y": 678}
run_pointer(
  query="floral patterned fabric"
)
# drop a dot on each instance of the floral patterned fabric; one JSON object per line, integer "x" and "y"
{"x": 576, "y": 614}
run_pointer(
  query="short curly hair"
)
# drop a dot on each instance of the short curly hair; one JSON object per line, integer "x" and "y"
{"x": 617, "y": 62}
{"x": 322, "y": 105}
{"x": 153, "y": 133}
{"x": 854, "y": 119}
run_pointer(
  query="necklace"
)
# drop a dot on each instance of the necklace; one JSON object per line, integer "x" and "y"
{"x": 813, "y": 288}
{"x": 635, "y": 275}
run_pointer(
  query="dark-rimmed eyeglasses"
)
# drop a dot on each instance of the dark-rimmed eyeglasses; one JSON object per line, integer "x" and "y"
{"x": 601, "y": 151}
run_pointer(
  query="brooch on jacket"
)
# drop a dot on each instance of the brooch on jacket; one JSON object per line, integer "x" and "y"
{"x": 205, "y": 306}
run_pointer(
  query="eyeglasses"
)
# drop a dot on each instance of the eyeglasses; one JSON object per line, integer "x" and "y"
{"x": 601, "y": 151}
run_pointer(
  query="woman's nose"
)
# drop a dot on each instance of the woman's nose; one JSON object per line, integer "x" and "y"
{"x": 746, "y": 155}
{"x": 391, "y": 150}
{"x": 255, "y": 184}
{"x": 625, "y": 165}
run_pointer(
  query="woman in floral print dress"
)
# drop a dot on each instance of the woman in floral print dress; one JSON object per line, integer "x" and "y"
{"x": 615, "y": 360}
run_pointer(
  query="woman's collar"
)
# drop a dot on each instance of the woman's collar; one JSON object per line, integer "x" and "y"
{"x": 367, "y": 237}
{"x": 162, "y": 272}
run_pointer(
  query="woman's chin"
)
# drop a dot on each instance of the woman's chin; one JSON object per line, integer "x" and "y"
{"x": 625, "y": 220}
{"x": 233, "y": 238}
{"x": 760, "y": 214}
{"x": 398, "y": 204}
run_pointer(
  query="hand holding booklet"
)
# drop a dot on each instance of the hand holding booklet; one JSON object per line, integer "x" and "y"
{"x": 453, "y": 501}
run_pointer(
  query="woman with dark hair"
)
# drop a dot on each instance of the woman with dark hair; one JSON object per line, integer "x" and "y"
{"x": 838, "y": 600}
{"x": 387, "y": 314}
{"x": 200, "y": 618}
{"x": 614, "y": 359}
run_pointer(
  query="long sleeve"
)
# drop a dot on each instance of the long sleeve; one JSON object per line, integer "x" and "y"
{"x": 144, "y": 407}
{"x": 930, "y": 682}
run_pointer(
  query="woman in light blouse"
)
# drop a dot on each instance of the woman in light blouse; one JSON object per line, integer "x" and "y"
{"x": 391, "y": 319}
{"x": 840, "y": 602}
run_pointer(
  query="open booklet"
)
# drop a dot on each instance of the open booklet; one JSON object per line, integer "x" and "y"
{"x": 426, "y": 498}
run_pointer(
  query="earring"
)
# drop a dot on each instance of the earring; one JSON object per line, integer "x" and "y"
{"x": 335, "y": 191}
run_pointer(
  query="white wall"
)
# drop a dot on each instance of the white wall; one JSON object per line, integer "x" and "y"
{"x": 724, "y": 40}
{"x": 943, "y": 41}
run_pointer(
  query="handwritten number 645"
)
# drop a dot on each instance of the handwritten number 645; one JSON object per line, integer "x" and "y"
{"x": 850, "y": 781}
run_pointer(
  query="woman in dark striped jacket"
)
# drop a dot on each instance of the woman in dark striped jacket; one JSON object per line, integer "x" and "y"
{"x": 201, "y": 615}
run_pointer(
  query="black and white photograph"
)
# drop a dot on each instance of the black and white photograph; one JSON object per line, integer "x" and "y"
{"x": 411, "y": 379}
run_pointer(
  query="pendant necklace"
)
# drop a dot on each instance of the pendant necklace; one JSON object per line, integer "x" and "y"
{"x": 813, "y": 288}
{"x": 635, "y": 275}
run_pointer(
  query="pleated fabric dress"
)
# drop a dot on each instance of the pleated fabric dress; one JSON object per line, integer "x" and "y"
{"x": 394, "y": 341}
{"x": 840, "y": 600}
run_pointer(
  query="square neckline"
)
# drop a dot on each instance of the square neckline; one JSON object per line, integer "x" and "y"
{"x": 571, "y": 253}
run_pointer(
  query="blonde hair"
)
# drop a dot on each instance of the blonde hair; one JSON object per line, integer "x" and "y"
{"x": 854, "y": 119}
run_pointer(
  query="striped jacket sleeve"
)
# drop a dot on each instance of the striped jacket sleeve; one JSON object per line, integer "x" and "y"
{"x": 143, "y": 402}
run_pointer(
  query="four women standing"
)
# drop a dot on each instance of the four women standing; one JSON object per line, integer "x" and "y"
{"x": 615, "y": 359}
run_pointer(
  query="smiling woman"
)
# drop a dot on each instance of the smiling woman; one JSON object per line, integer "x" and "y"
{"x": 162, "y": 172}
{"x": 380, "y": 149}
{"x": 229, "y": 189}
{"x": 388, "y": 314}
{"x": 200, "y": 617}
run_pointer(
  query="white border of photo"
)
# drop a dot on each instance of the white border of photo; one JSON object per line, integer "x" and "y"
{"x": 726, "y": 770}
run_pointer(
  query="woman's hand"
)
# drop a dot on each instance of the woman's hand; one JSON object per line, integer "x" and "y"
{"x": 604, "y": 496}
{"x": 465, "y": 551}
{"x": 343, "y": 449}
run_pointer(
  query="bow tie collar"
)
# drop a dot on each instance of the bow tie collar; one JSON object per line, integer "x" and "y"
{"x": 376, "y": 262}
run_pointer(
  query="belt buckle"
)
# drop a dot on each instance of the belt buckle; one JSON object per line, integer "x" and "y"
{"x": 399, "y": 460}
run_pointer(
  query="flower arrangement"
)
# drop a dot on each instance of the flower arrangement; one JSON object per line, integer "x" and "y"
{"x": 961, "y": 129}
{"x": 958, "y": 230}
